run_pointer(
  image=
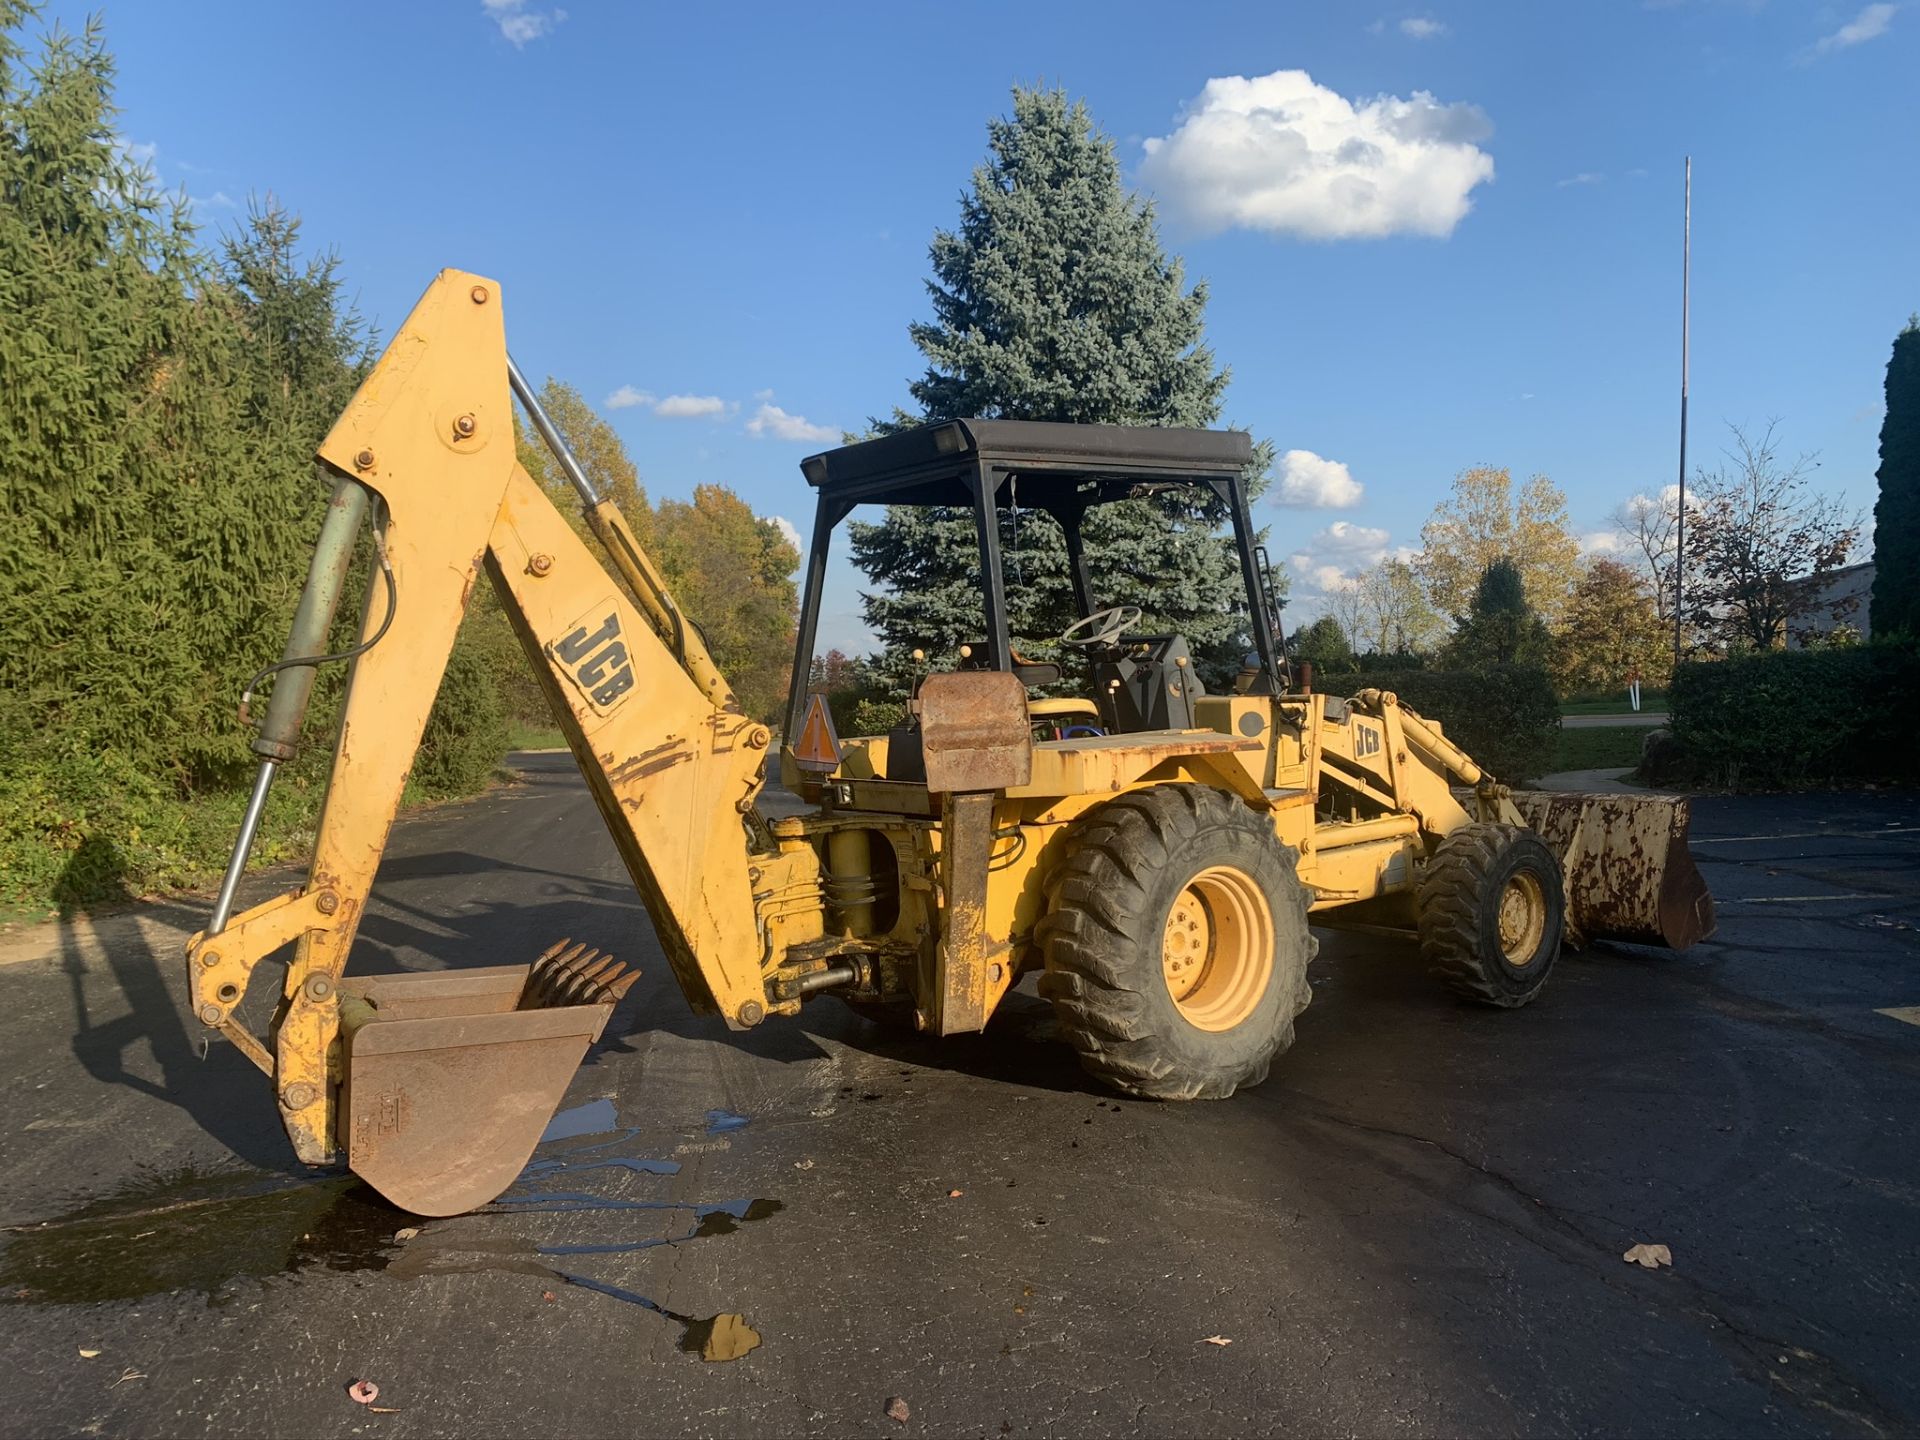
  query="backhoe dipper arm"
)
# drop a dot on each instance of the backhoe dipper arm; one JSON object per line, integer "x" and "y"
{"x": 672, "y": 763}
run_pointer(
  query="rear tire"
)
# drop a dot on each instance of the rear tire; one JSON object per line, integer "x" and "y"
{"x": 1176, "y": 944}
{"x": 1492, "y": 910}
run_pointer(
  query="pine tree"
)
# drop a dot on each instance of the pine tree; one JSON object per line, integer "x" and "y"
{"x": 1323, "y": 645}
{"x": 1896, "y": 515}
{"x": 1501, "y": 627}
{"x": 1053, "y": 300}
{"x": 158, "y": 501}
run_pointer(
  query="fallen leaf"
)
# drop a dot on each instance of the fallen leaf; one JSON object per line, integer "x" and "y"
{"x": 406, "y": 1234}
{"x": 548, "y": 1295}
{"x": 88, "y": 1354}
{"x": 955, "y": 1194}
{"x": 897, "y": 1409}
{"x": 363, "y": 1392}
{"x": 1214, "y": 1340}
{"x": 1651, "y": 1257}
{"x": 803, "y": 1164}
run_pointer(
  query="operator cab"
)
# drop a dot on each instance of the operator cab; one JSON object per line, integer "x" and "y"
{"x": 1133, "y": 682}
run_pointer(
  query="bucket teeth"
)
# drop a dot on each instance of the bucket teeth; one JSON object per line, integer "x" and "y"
{"x": 574, "y": 975}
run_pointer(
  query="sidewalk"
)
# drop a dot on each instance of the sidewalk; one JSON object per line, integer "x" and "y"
{"x": 1606, "y": 722}
{"x": 1591, "y": 782}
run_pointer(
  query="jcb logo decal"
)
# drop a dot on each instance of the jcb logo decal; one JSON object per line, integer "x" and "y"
{"x": 594, "y": 657}
{"x": 1366, "y": 740}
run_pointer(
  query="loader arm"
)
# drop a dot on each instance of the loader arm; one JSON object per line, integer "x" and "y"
{"x": 672, "y": 763}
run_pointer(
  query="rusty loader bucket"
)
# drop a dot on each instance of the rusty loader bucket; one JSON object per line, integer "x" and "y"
{"x": 1629, "y": 873}
{"x": 448, "y": 1079}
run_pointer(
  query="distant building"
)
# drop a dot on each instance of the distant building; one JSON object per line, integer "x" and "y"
{"x": 1830, "y": 601}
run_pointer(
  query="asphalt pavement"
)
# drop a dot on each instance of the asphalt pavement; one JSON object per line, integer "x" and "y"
{"x": 1414, "y": 1227}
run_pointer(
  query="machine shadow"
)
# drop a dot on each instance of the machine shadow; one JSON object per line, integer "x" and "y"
{"x": 211, "y": 1086}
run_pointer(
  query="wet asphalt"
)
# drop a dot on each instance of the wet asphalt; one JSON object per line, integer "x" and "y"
{"x": 1414, "y": 1227}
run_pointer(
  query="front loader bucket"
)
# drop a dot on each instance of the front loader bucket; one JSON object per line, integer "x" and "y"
{"x": 449, "y": 1079}
{"x": 1629, "y": 873}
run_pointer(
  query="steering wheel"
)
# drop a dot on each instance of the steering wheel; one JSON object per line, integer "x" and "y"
{"x": 1103, "y": 627}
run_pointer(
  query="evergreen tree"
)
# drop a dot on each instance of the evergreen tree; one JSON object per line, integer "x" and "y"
{"x": 1323, "y": 645}
{"x": 1896, "y": 515}
{"x": 158, "y": 502}
{"x": 1501, "y": 628}
{"x": 1053, "y": 300}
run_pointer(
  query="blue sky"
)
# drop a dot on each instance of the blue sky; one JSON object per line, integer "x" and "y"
{"x": 731, "y": 205}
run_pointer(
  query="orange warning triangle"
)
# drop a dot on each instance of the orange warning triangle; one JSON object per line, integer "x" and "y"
{"x": 818, "y": 748}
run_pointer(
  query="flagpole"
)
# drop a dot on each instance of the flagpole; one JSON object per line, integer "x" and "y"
{"x": 1680, "y": 510}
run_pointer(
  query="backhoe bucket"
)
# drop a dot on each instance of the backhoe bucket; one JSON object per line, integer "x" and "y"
{"x": 449, "y": 1079}
{"x": 1629, "y": 873}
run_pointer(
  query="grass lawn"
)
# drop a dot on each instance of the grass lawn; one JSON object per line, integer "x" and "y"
{"x": 1616, "y": 705}
{"x": 536, "y": 737}
{"x": 1600, "y": 748}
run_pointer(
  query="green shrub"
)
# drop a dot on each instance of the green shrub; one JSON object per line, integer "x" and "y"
{"x": 1505, "y": 716}
{"x": 83, "y": 826}
{"x": 1795, "y": 717}
{"x": 467, "y": 732}
{"x": 875, "y": 717}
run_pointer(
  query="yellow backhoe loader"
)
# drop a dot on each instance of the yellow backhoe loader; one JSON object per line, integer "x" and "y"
{"x": 1154, "y": 850}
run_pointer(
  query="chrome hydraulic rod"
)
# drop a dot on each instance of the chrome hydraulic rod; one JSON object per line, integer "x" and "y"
{"x": 549, "y": 432}
{"x": 242, "y": 847}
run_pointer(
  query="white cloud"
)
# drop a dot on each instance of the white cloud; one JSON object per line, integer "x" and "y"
{"x": 140, "y": 152}
{"x": 763, "y": 396}
{"x": 626, "y": 397}
{"x": 1870, "y": 24}
{"x": 1344, "y": 538}
{"x": 1333, "y": 560}
{"x": 1282, "y": 154}
{"x": 1309, "y": 480}
{"x": 771, "y": 422}
{"x": 1602, "y": 542}
{"x": 1585, "y": 177}
{"x": 1422, "y": 27}
{"x": 219, "y": 200}
{"x": 519, "y": 24}
{"x": 691, "y": 407}
{"x": 792, "y": 531}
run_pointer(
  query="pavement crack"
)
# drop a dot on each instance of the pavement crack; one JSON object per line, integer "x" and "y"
{"x": 1504, "y": 1181}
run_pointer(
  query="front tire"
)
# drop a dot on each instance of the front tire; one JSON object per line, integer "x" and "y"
{"x": 1176, "y": 944}
{"x": 1492, "y": 910}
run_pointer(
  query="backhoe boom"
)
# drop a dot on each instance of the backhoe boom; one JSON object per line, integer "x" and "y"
{"x": 673, "y": 764}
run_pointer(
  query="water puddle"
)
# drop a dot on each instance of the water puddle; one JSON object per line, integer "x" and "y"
{"x": 191, "y": 1230}
{"x": 197, "y": 1232}
{"x": 596, "y": 1117}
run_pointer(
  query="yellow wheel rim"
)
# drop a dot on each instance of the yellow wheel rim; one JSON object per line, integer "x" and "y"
{"x": 1216, "y": 952}
{"x": 1523, "y": 918}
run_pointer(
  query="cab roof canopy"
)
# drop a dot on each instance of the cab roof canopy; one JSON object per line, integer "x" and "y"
{"x": 1059, "y": 465}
